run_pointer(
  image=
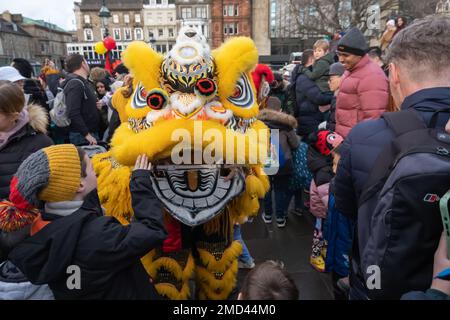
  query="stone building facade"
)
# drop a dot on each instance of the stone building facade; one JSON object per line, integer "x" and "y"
{"x": 160, "y": 24}
{"x": 125, "y": 25}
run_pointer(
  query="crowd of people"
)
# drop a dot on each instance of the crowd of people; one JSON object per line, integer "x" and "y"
{"x": 358, "y": 132}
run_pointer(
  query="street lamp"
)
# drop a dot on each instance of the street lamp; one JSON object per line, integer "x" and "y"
{"x": 104, "y": 15}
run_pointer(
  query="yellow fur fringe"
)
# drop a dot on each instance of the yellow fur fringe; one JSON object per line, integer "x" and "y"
{"x": 230, "y": 254}
{"x": 144, "y": 63}
{"x": 211, "y": 288}
{"x": 166, "y": 289}
{"x": 234, "y": 58}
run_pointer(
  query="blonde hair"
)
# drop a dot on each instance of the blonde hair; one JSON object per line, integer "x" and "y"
{"x": 322, "y": 44}
{"x": 12, "y": 99}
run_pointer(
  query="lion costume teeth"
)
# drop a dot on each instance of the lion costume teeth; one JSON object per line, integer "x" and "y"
{"x": 191, "y": 85}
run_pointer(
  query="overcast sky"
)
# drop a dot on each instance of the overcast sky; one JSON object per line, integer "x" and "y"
{"x": 59, "y": 12}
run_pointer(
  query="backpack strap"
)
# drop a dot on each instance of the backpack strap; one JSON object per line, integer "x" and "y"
{"x": 403, "y": 122}
{"x": 82, "y": 83}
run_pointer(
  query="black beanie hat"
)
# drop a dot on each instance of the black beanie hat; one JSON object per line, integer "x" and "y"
{"x": 353, "y": 42}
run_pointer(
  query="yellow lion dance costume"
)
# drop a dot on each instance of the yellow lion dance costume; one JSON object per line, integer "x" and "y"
{"x": 189, "y": 93}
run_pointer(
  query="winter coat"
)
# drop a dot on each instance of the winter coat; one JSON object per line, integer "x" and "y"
{"x": 309, "y": 98}
{"x": 37, "y": 94}
{"x": 363, "y": 95}
{"x": 339, "y": 235}
{"x": 107, "y": 253}
{"x": 318, "y": 201}
{"x": 277, "y": 120}
{"x": 321, "y": 168}
{"x": 386, "y": 39}
{"x": 15, "y": 286}
{"x": 81, "y": 103}
{"x": 23, "y": 143}
{"x": 320, "y": 72}
{"x": 361, "y": 149}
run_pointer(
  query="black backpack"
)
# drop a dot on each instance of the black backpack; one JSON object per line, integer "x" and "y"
{"x": 399, "y": 221}
{"x": 290, "y": 102}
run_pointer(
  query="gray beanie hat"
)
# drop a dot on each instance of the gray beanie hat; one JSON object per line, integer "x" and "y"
{"x": 353, "y": 42}
{"x": 336, "y": 69}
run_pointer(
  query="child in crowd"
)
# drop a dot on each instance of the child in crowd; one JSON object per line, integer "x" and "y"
{"x": 73, "y": 247}
{"x": 275, "y": 119}
{"x": 320, "y": 163}
{"x": 338, "y": 236}
{"x": 320, "y": 70}
{"x": 337, "y": 70}
{"x": 268, "y": 281}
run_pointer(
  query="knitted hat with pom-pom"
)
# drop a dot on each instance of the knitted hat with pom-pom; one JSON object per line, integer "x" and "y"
{"x": 51, "y": 174}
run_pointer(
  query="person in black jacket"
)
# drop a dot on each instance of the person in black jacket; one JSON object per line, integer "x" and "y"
{"x": 22, "y": 132}
{"x": 31, "y": 86}
{"x": 74, "y": 248}
{"x": 309, "y": 98}
{"x": 419, "y": 67}
{"x": 285, "y": 124}
{"x": 81, "y": 102}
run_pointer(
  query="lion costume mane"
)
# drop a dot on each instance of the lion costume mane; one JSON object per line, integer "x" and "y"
{"x": 204, "y": 93}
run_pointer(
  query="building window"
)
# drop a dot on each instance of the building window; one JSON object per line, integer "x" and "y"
{"x": 186, "y": 13}
{"x": 126, "y": 18}
{"x": 137, "y": 18}
{"x": 88, "y": 35}
{"x": 115, "y": 18}
{"x": 236, "y": 10}
{"x": 171, "y": 33}
{"x": 138, "y": 34}
{"x": 160, "y": 33}
{"x": 127, "y": 34}
{"x": 87, "y": 19}
{"x": 228, "y": 10}
{"x": 116, "y": 34}
{"x": 230, "y": 29}
{"x": 201, "y": 12}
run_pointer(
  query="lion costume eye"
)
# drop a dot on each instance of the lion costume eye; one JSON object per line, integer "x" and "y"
{"x": 243, "y": 95}
{"x": 206, "y": 87}
{"x": 157, "y": 99}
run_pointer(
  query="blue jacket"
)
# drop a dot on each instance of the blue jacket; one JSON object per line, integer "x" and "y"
{"x": 309, "y": 98}
{"x": 339, "y": 235}
{"x": 361, "y": 150}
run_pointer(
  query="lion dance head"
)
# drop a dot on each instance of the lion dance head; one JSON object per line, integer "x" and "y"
{"x": 193, "y": 113}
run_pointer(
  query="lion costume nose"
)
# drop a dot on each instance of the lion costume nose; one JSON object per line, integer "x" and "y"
{"x": 190, "y": 33}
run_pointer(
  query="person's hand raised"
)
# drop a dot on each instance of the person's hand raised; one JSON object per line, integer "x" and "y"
{"x": 142, "y": 163}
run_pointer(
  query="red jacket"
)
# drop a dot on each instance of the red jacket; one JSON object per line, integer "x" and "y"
{"x": 363, "y": 95}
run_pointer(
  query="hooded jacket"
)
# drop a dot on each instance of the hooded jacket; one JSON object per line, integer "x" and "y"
{"x": 277, "y": 120}
{"x": 309, "y": 98}
{"x": 31, "y": 138}
{"x": 359, "y": 154}
{"x": 105, "y": 253}
{"x": 363, "y": 95}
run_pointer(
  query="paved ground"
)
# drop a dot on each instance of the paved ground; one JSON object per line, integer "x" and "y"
{"x": 292, "y": 245}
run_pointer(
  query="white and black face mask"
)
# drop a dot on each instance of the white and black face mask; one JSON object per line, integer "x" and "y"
{"x": 195, "y": 194}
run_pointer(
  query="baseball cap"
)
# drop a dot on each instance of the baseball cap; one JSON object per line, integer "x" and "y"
{"x": 10, "y": 74}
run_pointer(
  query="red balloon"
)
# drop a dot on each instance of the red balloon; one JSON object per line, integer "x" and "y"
{"x": 109, "y": 43}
